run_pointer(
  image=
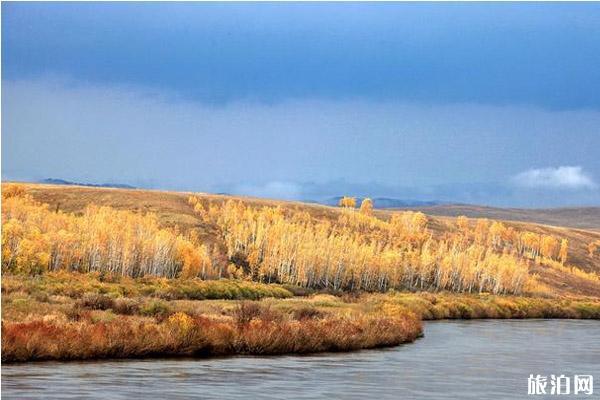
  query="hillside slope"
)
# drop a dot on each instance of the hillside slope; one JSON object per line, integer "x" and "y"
{"x": 173, "y": 210}
{"x": 573, "y": 217}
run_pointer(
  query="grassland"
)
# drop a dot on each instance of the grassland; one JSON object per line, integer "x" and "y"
{"x": 587, "y": 218}
{"x": 69, "y": 315}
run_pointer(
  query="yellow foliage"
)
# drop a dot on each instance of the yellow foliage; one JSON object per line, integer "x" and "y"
{"x": 181, "y": 322}
{"x": 13, "y": 190}
{"x": 366, "y": 206}
{"x": 347, "y": 202}
{"x": 359, "y": 251}
{"x": 564, "y": 248}
{"x": 35, "y": 239}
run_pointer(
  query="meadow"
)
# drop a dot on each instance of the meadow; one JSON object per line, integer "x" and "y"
{"x": 70, "y": 316}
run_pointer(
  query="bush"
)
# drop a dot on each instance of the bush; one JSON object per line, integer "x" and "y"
{"x": 76, "y": 313}
{"x": 299, "y": 290}
{"x": 156, "y": 308}
{"x": 126, "y": 306}
{"x": 246, "y": 311}
{"x": 305, "y": 313}
{"x": 95, "y": 301}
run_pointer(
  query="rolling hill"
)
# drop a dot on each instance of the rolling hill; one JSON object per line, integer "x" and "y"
{"x": 173, "y": 210}
{"x": 573, "y": 217}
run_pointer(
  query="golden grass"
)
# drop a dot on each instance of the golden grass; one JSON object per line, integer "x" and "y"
{"x": 75, "y": 285}
{"x": 42, "y": 320}
{"x": 431, "y": 306}
{"x": 183, "y": 335}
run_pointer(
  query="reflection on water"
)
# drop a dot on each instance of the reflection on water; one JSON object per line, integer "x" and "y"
{"x": 465, "y": 360}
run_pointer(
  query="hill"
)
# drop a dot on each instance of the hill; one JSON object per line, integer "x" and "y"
{"x": 174, "y": 210}
{"x": 573, "y": 217}
{"x": 385, "y": 202}
{"x": 54, "y": 181}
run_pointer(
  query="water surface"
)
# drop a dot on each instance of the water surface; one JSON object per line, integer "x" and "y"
{"x": 461, "y": 359}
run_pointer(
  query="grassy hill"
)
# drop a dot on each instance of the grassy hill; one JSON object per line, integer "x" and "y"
{"x": 55, "y": 313}
{"x": 173, "y": 210}
{"x": 573, "y": 217}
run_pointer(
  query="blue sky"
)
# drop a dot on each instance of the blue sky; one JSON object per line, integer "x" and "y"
{"x": 494, "y": 103}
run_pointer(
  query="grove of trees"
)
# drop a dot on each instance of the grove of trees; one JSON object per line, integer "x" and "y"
{"x": 348, "y": 250}
{"x": 36, "y": 239}
{"x": 360, "y": 251}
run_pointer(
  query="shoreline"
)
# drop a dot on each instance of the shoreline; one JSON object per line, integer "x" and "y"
{"x": 71, "y": 316}
{"x": 184, "y": 357}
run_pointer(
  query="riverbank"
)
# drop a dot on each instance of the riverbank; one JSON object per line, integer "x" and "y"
{"x": 458, "y": 350}
{"x": 68, "y": 316}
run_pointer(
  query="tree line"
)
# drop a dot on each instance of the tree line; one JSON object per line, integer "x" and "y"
{"x": 352, "y": 250}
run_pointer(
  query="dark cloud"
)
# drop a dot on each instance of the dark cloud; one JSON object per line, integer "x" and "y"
{"x": 541, "y": 54}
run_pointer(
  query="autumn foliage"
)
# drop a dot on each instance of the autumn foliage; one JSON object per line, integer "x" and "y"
{"x": 350, "y": 251}
{"x": 361, "y": 252}
{"x": 36, "y": 239}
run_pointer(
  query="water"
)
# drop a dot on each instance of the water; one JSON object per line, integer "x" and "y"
{"x": 455, "y": 360}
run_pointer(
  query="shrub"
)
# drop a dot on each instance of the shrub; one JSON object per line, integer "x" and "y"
{"x": 180, "y": 323}
{"x": 299, "y": 290}
{"x": 95, "y": 301}
{"x": 305, "y": 313}
{"x": 156, "y": 308}
{"x": 126, "y": 306}
{"x": 246, "y": 311}
{"x": 76, "y": 313}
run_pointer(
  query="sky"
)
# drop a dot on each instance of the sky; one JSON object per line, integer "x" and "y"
{"x": 494, "y": 104}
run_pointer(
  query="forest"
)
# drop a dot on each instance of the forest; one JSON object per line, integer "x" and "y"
{"x": 356, "y": 250}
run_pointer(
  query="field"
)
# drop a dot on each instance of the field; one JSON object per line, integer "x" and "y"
{"x": 68, "y": 316}
{"x": 185, "y": 274}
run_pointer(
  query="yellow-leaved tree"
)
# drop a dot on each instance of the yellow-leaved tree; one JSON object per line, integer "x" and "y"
{"x": 366, "y": 206}
{"x": 347, "y": 202}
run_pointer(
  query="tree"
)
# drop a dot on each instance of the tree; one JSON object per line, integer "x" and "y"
{"x": 462, "y": 223}
{"x": 366, "y": 206}
{"x": 347, "y": 202}
{"x": 564, "y": 248}
{"x": 548, "y": 246}
{"x": 593, "y": 247}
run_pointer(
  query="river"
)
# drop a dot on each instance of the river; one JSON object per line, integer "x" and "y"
{"x": 485, "y": 359}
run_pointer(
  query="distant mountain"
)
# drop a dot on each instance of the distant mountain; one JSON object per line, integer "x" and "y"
{"x": 54, "y": 181}
{"x": 386, "y": 202}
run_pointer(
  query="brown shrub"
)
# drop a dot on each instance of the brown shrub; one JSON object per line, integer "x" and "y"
{"x": 246, "y": 311}
{"x": 351, "y": 297}
{"x": 126, "y": 306}
{"x": 96, "y": 301}
{"x": 77, "y": 313}
{"x": 157, "y": 308}
{"x": 307, "y": 313}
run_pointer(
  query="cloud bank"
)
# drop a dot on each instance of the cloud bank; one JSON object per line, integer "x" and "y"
{"x": 296, "y": 149}
{"x": 564, "y": 177}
